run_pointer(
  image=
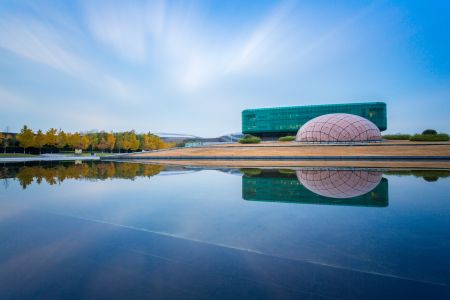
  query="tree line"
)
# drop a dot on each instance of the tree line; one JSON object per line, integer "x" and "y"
{"x": 101, "y": 141}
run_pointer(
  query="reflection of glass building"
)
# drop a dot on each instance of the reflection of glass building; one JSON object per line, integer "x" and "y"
{"x": 281, "y": 121}
{"x": 273, "y": 186}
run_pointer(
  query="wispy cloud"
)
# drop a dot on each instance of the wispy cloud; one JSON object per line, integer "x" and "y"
{"x": 260, "y": 44}
{"x": 202, "y": 59}
{"x": 122, "y": 27}
{"x": 127, "y": 60}
{"x": 32, "y": 40}
{"x": 36, "y": 41}
{"x": 126, "y": 27}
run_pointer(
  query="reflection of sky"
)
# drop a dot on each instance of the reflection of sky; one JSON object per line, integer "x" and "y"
{"x": 207, "y": 206}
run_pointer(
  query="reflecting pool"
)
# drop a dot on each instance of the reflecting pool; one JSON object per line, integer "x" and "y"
{"x": 121, "y": 230}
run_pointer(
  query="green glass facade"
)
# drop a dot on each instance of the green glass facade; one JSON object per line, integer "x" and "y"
{"x": 272, "y": 186}
{"x": 281, "y": 121}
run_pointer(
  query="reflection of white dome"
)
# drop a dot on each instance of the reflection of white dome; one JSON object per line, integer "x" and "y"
{"x": 338, "y": 128}
{"x": 339, "y": 183}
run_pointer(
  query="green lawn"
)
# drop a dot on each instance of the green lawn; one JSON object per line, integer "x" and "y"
{"x": 97, "y": 154}
{"x": 16, "y": 155}
{"x": 2, "y": 155}
{"x": 87, "y": 153}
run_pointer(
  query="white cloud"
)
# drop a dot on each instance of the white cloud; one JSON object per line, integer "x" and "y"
{"x": 37, "y": 42}
{"x": 32, "y": 40}
{"x": 122, "y": 28}
{"x": 261, "y": 42}
{"x": 126, "y": 27}
{"x": 190, "y": 54}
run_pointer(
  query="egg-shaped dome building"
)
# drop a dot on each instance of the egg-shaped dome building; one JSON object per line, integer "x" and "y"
{"x": 338, "y": 128}
{"x": 339, "y": 183}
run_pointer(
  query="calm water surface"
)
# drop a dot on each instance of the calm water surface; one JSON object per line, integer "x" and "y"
{"x": 134, "y": 230}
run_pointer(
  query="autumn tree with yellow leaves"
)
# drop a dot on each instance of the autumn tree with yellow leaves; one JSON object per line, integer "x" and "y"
{"x": 110, "y": 141}
{"x": 61, "y": 140}
{"x": 51, "y": 137}
{"x": 25, "y": 138}
{"x": 127, "y": 141}
{"x": 39, "y": 140}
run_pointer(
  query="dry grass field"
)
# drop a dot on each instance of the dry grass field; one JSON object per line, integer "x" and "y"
{"x": 281, "y": 149}
{"x": 297, "y": 144}
{"x": 222, "y": 156}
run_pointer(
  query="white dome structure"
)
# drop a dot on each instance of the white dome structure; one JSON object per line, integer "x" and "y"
{"x": 339, "y": 183}
{"x": 338, "y": 128}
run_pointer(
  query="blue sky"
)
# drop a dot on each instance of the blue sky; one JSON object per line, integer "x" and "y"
{"x": 193, "y": 66}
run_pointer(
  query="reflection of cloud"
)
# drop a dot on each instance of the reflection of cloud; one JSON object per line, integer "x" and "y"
{"x": 339, "y": 183}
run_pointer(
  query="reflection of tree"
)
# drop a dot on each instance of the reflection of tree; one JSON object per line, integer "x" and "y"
{"x": 151, "y": 170}
{"x": 127, "y": 170}
{"x": 251, "y": 171}
{"x": 93, "y": 171}
{"x": 428, "y": 175}
{"x": 26, "y": 176}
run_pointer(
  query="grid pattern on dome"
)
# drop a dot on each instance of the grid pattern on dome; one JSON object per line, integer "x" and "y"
{"x": 339, "y": 183}
{"x": 338, "y": 128}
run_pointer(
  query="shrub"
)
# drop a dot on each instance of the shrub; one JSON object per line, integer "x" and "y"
{"x": 250, "y": 139}
{"x": 429, "y": 132}
{"x": 397, "y": 136}
{"x": 439, "y": 137}
{"x": 287, "y": 138}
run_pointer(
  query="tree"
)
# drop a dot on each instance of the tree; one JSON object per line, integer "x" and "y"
{"x": 119, "y": 141}
{"x": 132, "y": 140}
{"x": 5, "y": 139}
{"x": 150, "y": 141}
{"x": 110, "y": 140}
{"x": 61, "y": 140}
{"x": 146, "y": 142}
{"x": 74, "y": 140}
{"x": 84, "y": 142}
{"x": 51, "y": 138}
{"x": 429, "y": 132}
{"x": 103, "y": 144}
{"x": 39, "y": 140}
{"x": 25, "y": 138}
{"x": 93, "y": 140}
{"x": 2, "y": 139}
{"x": 78, "y": 141}
{"x": 126, "y": 141}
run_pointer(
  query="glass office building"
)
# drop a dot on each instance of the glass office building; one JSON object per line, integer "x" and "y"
{"x": 282, "y": 121}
